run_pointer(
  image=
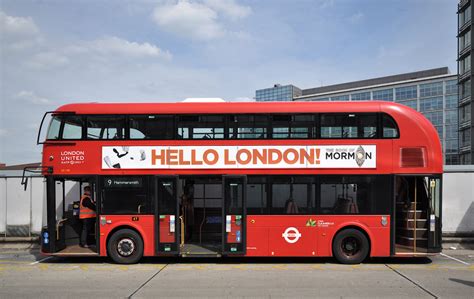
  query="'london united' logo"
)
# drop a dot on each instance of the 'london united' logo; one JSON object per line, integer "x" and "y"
{"x": 291, "y": 235}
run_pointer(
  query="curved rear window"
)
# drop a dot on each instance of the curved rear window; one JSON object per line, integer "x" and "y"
{"x": 390, "y": 128}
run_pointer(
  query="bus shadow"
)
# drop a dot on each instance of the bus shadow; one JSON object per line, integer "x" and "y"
{"x": 237, "y": 260}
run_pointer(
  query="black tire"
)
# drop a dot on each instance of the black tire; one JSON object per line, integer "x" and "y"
{"x": 125, "y": 246}
{"x": 350, "y": 246}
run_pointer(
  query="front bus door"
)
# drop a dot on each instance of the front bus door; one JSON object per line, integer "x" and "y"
{"x": 167, "y": 216}
{"x": 233, "y": 215}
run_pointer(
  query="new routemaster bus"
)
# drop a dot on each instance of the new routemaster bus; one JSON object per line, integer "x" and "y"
{"x": 296, "y": 179}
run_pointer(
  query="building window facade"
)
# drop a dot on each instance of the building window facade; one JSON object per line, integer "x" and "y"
{"x": 361, "y": 96}
{"x": 464, "y": 16}
{"x": 429, "y": 104}
{"x": 383, "y": 95}
{"x": 340, "y": 98}
{"x": 431, "y": 89}
{"x": 406, "y": 93}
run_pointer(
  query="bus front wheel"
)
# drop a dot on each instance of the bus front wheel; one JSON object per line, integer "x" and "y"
{"x": 125, "y": 246}
{"x": 350, "y": 246}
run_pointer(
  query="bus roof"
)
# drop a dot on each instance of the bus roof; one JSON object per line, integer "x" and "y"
{"x": 231, "y": 107}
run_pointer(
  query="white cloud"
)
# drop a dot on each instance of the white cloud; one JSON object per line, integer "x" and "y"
{"x": 3, "y": 132}
{"x": 48, "y": 59}
{"x": 326, "y": 3}
{"x": 17, "y": 26}
{"x": 241, "y": 99}
{"x": 18, "y": 32}
{"x": 186, "y": 19}
{"x": 117, "y": 46}
{"x": 356, "y": 18}
{"x": 203, "y": 20}
{"x": 102, "y": 50}
{"x": 32, "y": 98}
{"x": 229, "y": 8}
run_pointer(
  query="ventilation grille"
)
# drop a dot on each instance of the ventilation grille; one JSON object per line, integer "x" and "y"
{"x": 412, "y": 157}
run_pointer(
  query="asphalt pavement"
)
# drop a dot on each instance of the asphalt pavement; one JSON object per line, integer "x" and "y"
{"x": 24, "y": 273}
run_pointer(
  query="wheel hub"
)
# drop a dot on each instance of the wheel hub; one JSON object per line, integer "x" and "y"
{"x": 126, "y": 247}
{"x": 350, "y": 246}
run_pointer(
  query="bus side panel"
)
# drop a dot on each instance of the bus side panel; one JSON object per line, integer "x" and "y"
{"x": 143, "y": 224}
{"x": 280, "y": 235}
{"x": 377, "y": 232}
{"x": 310, "y": 235}
{"x": 257, "y": 240}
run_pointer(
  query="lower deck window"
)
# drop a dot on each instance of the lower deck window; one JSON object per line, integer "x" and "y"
{"x": 326, "y": 195}
{"x": 126, "y": 196}
{"x": 354, "y": 195}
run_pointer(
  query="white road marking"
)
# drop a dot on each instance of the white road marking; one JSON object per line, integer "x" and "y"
{"x": 42, "y": 260}
{"x": 455, "y": 259}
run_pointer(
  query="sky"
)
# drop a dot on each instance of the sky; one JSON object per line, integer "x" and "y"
{"x": 54, "y": 52}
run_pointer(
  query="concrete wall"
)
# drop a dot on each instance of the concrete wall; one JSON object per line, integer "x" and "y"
{"x": 23, "y": 213}
{"x": 458, "y": 201}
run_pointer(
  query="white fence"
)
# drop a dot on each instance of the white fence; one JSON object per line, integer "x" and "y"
{"x": 23, "y": 213}
{"x": 458, "y": 200}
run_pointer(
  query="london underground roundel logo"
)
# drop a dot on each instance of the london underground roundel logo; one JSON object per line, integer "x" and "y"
{"x": 291, "y": 235}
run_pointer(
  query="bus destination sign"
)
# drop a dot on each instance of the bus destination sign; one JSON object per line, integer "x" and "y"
{"x": 242, "y": 157}
{"x": 120, "y": 182}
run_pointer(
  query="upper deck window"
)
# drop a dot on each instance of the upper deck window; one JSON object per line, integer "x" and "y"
{"x": 65, "y": 127}
{"x": 292, "y": 126}
{"x": 223, "y": 127}
{"x": 105, "y": 127}
{"x": 72, "y": 127}
{"x": 157, "y": 127}
{"x": 348, "y": 125}
{"x": 390, "y": 129}
{"x": 54, "y": 128}
{"x": 201, "y": 127}
{"x": 248, "y": 127}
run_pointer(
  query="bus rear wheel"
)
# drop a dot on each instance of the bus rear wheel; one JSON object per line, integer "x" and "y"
{"x": 350, "y": 246}
{"x": 125, "y": 246}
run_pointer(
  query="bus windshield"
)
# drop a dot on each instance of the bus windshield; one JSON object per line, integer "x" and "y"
{"x": 54, "y": 128}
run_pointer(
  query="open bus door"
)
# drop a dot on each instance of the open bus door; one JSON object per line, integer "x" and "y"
{"x": 62, "y": 234}
{"x": 417, "y": 214}
{"x": 167, "y": 222}
{"x": 234, "y": 215}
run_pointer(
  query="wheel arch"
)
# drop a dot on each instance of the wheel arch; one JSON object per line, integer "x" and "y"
{"x": 356, "y": 226}
{"x": 120, "y": 227}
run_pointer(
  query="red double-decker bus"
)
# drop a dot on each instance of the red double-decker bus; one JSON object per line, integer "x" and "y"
{"x": 309, "y": 179}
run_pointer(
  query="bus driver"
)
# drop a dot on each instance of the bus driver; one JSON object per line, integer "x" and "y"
{"x": 87, "y": 215}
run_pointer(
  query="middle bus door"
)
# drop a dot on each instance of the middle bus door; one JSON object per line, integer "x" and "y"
{"x": 234, "y": 215}
{"x": 167, "y": 227}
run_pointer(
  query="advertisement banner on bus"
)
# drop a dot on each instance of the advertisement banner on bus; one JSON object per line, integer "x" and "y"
{"x": 238, "y": 157}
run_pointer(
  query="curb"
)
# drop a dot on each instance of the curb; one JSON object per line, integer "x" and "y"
{"x": 34, "y": 239}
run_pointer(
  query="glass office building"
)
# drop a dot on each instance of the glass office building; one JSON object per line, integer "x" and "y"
{"x": 277, "y": 93}
{"x": 466, "y": 105}
{"x": 432, "y": 92}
